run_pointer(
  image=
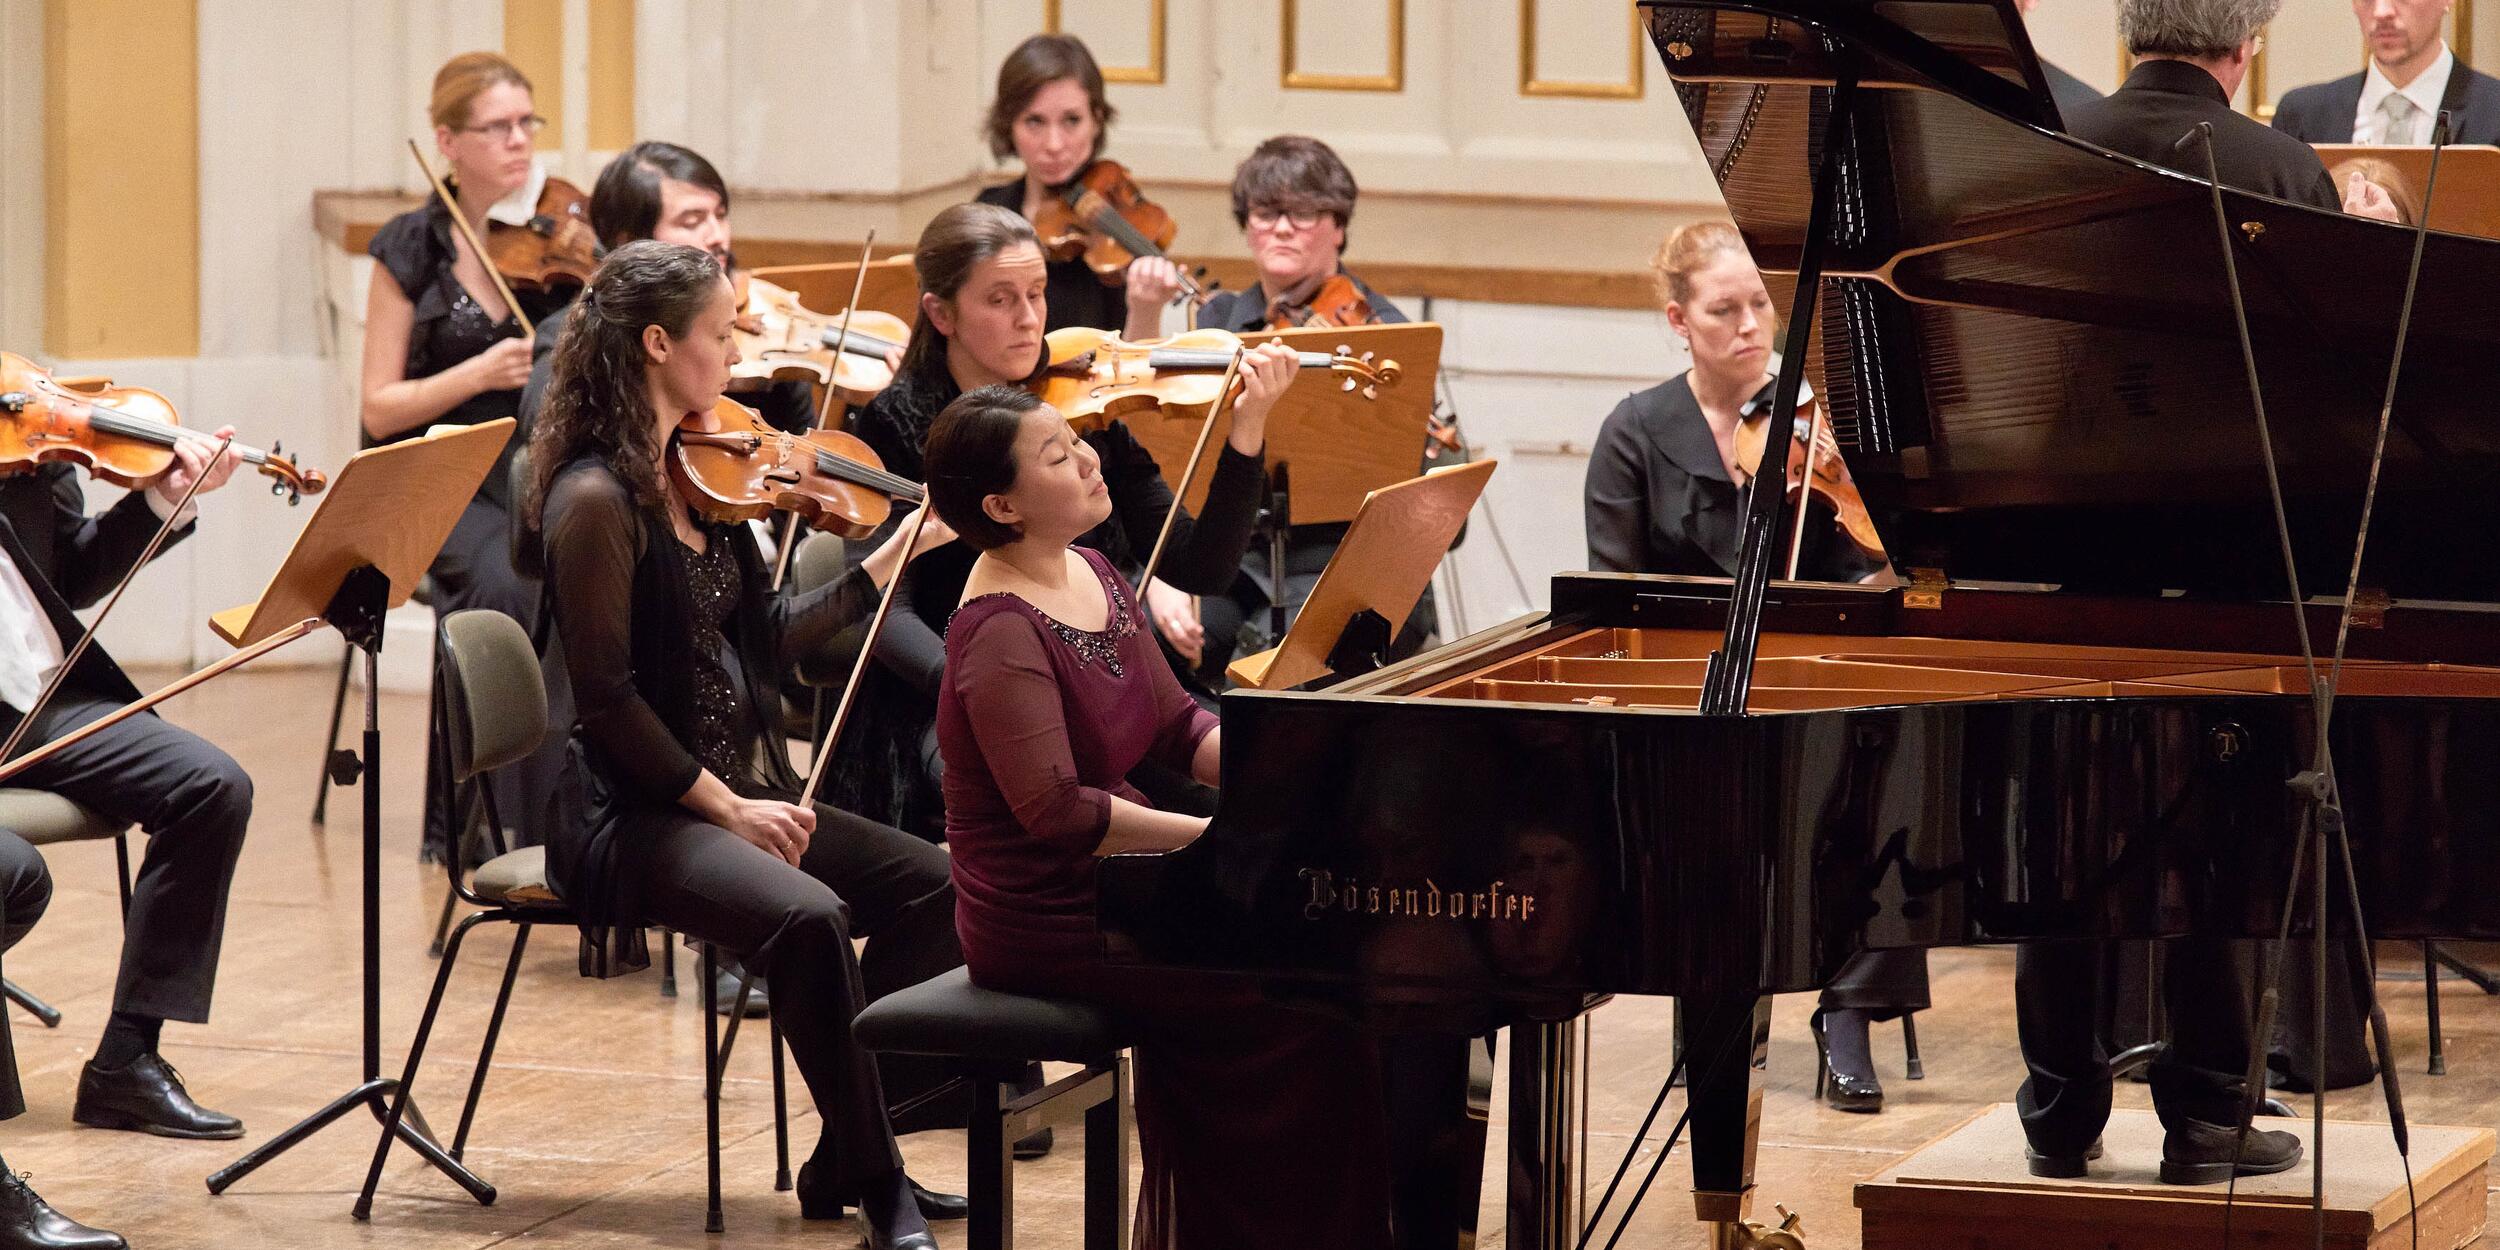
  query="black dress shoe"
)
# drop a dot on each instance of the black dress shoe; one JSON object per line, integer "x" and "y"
{"x": 1035, "y": 1144}
{"x": 146, "y": 1096}
{"x": 2062, "y": 1167}
{"x": 1845, "y": 1091}
{"x": 940, "y": 1206}
{"x": 2197, "y": 1153}
{"x": 27, "y": 1222}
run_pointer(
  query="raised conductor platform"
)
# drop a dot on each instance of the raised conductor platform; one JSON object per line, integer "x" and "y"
{"x": 1969, "y": 1189}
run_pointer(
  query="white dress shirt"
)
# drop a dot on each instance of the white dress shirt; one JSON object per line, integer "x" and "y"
{"x": 2370, "y": 122}
{"x": 30, "y": 649}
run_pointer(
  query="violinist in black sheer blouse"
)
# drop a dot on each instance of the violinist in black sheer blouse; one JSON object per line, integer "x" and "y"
{"x": 1665, "y": 495}
{"x": 1051, "y": 114}
{"x": 442, "y": 348}
{"x": 672, "y": 641}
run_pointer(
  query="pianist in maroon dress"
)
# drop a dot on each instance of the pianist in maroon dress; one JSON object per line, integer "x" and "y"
{"x": 1260, "y": 1127}
{"x": 1663, "y": 497}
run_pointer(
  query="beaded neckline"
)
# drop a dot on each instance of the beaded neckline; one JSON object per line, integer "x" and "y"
{"x": 1090, "y": 645}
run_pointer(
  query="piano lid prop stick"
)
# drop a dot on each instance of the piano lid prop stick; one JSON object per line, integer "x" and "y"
{"x": 460, "y": 221}
{"x": 1189, "y": 472}
{"x": 86, "y": 637}
{"x": 859, "y": 665}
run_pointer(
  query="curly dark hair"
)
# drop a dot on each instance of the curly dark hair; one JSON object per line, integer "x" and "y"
{"x": 597, "y": 402}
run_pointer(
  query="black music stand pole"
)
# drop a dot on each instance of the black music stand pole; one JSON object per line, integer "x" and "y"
{"x": 356, "y": 611}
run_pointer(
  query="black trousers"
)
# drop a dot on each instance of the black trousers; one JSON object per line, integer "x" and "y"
{"x": 1884, "y": 984}
{"x": 193, "y": 801}
{"x": 2057, "y": 1002}
{"x": 474, "y": 570}
{"x": 794, "y": 925}
{"x": 25, "y": 890}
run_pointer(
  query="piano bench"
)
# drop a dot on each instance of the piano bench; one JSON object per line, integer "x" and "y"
{"x": 988, "y": 1039}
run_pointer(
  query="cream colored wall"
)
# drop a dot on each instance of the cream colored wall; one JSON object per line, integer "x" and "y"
{"x": 21, "y": 198}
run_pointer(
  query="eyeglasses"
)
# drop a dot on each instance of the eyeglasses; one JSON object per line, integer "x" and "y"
{"x": 1302, "y": 218}
{"x": 529, "y": 125}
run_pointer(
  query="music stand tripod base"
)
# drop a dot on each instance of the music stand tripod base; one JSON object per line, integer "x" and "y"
{"x": 357, "y": 612}
{"x": 384, "y": 519}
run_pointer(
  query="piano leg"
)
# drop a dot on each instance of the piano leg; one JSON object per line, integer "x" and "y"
{"x": 1545, "y": 1107}
{"x": 1726, "y": 1039}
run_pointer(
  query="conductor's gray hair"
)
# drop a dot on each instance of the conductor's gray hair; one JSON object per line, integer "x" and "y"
{"x": 2191, "y": 28}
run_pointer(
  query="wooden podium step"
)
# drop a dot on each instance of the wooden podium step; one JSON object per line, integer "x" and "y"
{"x": 1970, "y": 1190}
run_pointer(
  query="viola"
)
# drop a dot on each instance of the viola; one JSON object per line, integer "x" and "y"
{"x": 124, "y": 435}
{"x": 1827, "y": 478}
{"x": 778, "y": 337}
{"x": 557, "y": 247}
{"x": 1104, "y": 219}
{"x": 1095, "y": 377}
{"x": 731, "y": 466}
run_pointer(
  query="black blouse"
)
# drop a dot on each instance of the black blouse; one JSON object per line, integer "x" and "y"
{"x": 635, "y": 628}
{"x": 416, "y": 249}
{"x": 1077, "y": 297}
{"x": 1660, "y": 501}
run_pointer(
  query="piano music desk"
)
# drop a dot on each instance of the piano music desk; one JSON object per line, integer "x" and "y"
{"x": 1970, "y": 1190}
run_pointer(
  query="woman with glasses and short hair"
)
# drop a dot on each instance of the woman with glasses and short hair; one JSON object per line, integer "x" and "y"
{"x": 442, "y": 348}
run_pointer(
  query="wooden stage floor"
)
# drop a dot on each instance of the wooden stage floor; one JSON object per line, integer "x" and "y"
{"x": 593, "y": 1121}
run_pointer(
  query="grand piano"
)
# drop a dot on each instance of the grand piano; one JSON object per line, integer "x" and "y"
{"x": 2077, "y": 716}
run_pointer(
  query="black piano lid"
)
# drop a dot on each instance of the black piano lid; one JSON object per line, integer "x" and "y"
{"x": 2026, "y": 341}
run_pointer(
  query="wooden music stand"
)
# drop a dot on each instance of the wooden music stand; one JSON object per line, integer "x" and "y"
{"x": 2469, "y": 181}
{"x": 1337, "y": 445}
{"x": 383, "y": 520}
{"x": 1363, "y": 597}
{"x": 891, "y": 286}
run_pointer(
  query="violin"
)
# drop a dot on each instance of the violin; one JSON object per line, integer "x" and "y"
{"x": 124, "y": 435}
{"x": 1340, "y": 302}
{"x": 1828, "y": 479}
{"x": 1095, "y": 377}
{"x": 557, "y": 247}
{"x": 1337, "y": 302}
{"x": 778, "y": 337}
{"x": 1104, "y": 219}
{"x": 732, "y": 466}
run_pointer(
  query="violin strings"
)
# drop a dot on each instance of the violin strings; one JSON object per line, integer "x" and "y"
{"x": 107, "y": 419}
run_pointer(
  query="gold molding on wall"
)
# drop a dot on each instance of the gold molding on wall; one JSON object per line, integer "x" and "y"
{"x": 121, "y": 174}
{"x": 1529, "y": 84}
{"x": 611, "y": 75}
{"x": 1151, "y": 73}
{"x": 533, "y": 39}
{"x": 1394, "y": 80}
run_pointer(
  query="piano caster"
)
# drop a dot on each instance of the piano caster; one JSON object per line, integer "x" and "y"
{"x": 1748, "y": 1235}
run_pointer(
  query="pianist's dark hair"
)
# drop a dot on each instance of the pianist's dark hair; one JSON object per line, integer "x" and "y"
{"x": 2192, "y": 28}
{"x": 971, "y": 455}
{"x": 1687, "y": 251}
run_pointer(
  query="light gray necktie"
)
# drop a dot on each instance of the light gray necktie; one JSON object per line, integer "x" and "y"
{"x": 2399, "y": 118}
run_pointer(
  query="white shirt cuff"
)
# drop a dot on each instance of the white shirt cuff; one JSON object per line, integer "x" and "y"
{"x": 157, "y": 505}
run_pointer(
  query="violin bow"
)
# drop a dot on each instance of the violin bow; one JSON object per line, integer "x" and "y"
{"x": 86, "y": 637}
{"x": 1805, "y": 489}
{"x": 1189, "y": 473}
{"x": 859, "y": 664}
{"x": 460, "y": 222}
{"x": 178, "y": 686}
{"x": 824, "y": 410}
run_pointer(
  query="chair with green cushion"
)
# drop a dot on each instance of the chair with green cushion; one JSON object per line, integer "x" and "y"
{"x": 493, "y": 710}
{"x": 44, "y": 818}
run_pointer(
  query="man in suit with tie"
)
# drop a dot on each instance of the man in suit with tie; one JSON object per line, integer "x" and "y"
{"x": 2412, "y": 75}
{"x": 189, "y": 798}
